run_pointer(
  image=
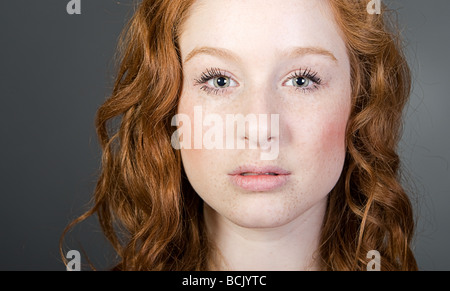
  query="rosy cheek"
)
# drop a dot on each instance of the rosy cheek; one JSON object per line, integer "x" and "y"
{"x": 332, "y": 141}
{"x": 334, "y": 133}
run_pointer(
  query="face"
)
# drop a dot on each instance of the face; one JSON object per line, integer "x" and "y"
{"x": 285, "y": 60}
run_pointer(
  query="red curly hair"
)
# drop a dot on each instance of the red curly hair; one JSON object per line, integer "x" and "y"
{"x": 149, "y": 211}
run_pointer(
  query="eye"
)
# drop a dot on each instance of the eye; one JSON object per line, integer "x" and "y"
{"x": 305, "y": 80}
{"x": 300, "y": 82}
{"x": 221, "y": 82}
{"x": 215, "y": 81}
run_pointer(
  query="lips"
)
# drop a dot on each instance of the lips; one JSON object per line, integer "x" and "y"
{"x": 259, "y": 179}
{"x": 261, "y": 170}
{"x": 256, "y": 174}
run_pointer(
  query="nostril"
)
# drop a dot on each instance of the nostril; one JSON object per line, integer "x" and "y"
{"x": 269, "y": 139}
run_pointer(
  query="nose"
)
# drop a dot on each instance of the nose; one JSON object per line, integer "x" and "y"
{"x": 262, "y": 132}
{"x": 262, "y": 126}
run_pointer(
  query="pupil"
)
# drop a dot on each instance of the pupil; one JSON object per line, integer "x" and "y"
{"x": 300, "y": 81}
{"x": 222, "y": 82}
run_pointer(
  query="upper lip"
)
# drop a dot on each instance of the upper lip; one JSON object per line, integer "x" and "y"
{"x": 259, "y": 170}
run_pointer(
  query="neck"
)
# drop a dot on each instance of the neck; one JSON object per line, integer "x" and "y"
{"x": 289, "y": 247}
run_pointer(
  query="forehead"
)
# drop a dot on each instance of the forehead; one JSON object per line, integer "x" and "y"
{"x": 259, "y": 29}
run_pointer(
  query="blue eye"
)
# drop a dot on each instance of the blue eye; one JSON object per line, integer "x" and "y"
{"x": 220, "y": 82}
{"x": 305, "y": 80}
{"x": 215, "y": 81}
{"x": 301, "y": 82}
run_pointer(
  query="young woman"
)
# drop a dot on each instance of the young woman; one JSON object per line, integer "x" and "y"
{"x": 332, "y": 76}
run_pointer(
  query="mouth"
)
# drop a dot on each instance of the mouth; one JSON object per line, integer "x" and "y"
{"x": 259, "y": 179}
{"x": 258, "y": 174}
{"x": 250, "y": 170}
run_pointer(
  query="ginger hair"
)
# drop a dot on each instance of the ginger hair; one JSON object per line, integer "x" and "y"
{"x": 149, "y": 211}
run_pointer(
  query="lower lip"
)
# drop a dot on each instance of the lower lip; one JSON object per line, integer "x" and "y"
{"x": 259, "y": 183}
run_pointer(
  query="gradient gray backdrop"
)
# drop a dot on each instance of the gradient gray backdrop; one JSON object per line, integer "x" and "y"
{"x": 56, "y": 69}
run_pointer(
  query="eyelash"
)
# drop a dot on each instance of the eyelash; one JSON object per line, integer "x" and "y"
{"x": 207, "y": 76}
{"x": 308, "y": 74}
{"x": 217, "y": 73}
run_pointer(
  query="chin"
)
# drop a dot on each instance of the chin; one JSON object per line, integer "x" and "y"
{"x": 260, "y": 221}
{"x": 264, "y": 213}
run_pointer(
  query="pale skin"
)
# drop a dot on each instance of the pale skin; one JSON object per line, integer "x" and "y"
{"x": 264, "y": 50}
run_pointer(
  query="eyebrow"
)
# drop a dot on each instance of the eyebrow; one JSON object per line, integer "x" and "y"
{"x": 292, "y": 53}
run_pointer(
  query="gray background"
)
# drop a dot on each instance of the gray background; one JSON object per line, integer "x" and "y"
{"x": 56, "y": 70}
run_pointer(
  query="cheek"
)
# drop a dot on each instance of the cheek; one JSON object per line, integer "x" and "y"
{"x": 332, "y": 138}
{"x": 320, "y": 138}
{"x": 200, "y": 165}
{"x": 330, "y": 142}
